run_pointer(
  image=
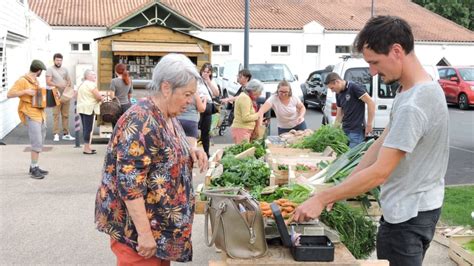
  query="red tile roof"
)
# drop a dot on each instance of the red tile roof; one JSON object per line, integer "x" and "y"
{"x": 84, "y": 13}
{"x": 348, "y": 15}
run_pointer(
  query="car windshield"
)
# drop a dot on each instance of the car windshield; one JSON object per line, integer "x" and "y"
{"x": 467, "y": 74}
{"x": 271, "y": 72}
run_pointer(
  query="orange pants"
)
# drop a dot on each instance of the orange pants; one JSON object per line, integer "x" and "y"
{"x": 241, "y": 134}
{"x": 126, "y": 256}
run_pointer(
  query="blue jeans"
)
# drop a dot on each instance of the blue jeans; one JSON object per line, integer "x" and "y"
{"x": 355, "y": 138}
{"x": 406, "y": 243}
{"x": 301, "y": 126}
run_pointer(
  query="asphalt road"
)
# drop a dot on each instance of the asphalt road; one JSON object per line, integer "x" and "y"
{"x": 461, "y": 157}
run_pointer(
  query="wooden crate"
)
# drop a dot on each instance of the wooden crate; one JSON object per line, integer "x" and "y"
{"x": 290, "y": 156}
{"x": 373, "y": 210}
{"x": 458, "y": 253}
{"x": 217, "y": 156}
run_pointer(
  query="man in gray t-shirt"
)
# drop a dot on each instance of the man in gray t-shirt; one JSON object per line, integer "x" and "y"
{"x": 58, "y": 76}
{"x": 410, "y": 159}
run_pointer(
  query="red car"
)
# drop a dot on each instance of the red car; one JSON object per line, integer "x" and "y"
{"x": 458, "y": 85}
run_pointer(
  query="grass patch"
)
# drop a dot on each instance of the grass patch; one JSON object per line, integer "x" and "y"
{"x": 458, "y": 205}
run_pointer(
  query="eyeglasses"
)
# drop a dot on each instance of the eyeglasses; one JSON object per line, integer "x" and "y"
{"x": 283, "y": 92}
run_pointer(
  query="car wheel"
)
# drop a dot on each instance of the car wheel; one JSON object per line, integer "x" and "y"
{"x": 462, "y": 102}
{"x": 325, "y": 120}
{"x": 222, "y": 130}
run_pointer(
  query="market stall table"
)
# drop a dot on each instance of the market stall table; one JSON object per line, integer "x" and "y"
{"x": 281, "y": 256}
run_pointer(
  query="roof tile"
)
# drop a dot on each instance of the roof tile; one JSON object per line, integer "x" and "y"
{"x": 338, "y": 15}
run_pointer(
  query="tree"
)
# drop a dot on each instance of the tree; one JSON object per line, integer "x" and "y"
{"x": 458, "y": 11}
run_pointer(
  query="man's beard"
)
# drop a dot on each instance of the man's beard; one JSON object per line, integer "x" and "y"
{"x": 58, "y": 65}
{"x": 389, "y": 82}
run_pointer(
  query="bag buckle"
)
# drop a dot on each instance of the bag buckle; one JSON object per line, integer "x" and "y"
{"x": 222, "y": 206}
{"x": 253, "y": 237}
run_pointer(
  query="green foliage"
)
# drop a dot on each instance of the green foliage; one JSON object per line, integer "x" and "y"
{"x": 238, "y": 148}
{"x": 296, "y": 193}
{"x": 357, "y": 232}
{"x": 469, "y": 246}
{"x": 249, "y": 173}
{"x": 458, "y": 11}
{"x": 458, "y": 205}
{"x": 326, "y": 135}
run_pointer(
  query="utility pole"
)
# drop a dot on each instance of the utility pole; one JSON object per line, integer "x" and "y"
{"x": 246, "y": 34}
{"x": 372, "y": 9}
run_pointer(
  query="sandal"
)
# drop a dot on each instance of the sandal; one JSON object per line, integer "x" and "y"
{"x": 89, "y": 153}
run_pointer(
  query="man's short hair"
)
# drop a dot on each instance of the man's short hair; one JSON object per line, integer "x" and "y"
{"x": 332, "y": 77}
{"x": 246, "y": 73}
{"x": 381, "y": 32}
{"x": 57, "y": 55}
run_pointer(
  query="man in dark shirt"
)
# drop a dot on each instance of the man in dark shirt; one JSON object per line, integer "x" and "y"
{"x": 351, "y": 100}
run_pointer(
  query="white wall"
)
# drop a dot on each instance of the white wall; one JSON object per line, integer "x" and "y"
{"x": 457, "y": 54}
{"x": 12, "y": 16}
{"x": 313, "y": 33}
{"x": 298, "y": 60}
{"x": 61, "y": 39}
{"x": 17, "y": 19}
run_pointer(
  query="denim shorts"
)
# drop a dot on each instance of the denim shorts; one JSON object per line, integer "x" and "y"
{"x": 36, "y": 133}
{"x": 190, "y": 128}
{"x": 406, "y": 243}
{"x": 301, "y": 126}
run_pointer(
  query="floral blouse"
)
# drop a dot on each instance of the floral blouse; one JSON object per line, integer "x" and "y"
{"x": 144, "y": 159}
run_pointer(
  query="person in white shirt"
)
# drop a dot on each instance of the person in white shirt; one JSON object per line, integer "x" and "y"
{"x": 289, "y": 109}
{"x": 207, "y": 88}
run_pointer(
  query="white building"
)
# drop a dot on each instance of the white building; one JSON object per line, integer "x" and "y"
{"x": 304, "y": 34}
{"x": 23, "y": 37}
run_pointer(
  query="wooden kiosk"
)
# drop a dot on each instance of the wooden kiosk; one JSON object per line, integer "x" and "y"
{"x": 141, "y": 49}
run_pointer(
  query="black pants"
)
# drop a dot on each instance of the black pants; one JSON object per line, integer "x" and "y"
{"x": 406, "y": 243}
{"x": 87, "y": 122}
{"x": 123, "y": 109}
{"x": 205, "y": 125}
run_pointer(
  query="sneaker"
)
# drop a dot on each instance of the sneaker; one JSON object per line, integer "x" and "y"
{"x": 36, "y": 174}
{"x": 56, "y": 137}
{"x": 44, "y": 172}
{"x": 68, "y": 137}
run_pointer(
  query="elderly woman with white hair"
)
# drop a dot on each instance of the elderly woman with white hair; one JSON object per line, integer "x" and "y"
{"x": 145, "y": 201}
{"x": 246, "y": 118}
{"x": 88, "y": 105}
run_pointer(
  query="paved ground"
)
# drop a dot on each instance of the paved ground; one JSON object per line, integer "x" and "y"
{"x": 50, "y": 221}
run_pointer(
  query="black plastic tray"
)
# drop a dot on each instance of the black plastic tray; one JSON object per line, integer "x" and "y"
{"x": 311, "y": 248}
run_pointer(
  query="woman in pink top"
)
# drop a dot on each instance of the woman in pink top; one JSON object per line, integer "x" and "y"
{"x": 289, "y": 109}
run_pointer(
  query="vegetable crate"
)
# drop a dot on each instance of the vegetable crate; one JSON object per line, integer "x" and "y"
{"x": 456, "y": 251}
{"x": 292, "y": 156}
{"x": 373, "y": 210}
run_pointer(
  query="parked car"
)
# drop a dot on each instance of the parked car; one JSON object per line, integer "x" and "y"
{"x": 269, "y": 74}
{"x": 313, "y": 89}
{"x": 357, "y": 70}
{"x": 458, "y": 85}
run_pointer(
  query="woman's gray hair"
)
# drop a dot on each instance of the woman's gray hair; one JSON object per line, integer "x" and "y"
{"x": 255, "y": 86}
{"x": 87, "y": 72}
{"x": 176, "y": 69}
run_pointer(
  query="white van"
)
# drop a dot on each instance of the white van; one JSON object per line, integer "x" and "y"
{"x": 269, "y": 74}
{"x": 357, "y": 70}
